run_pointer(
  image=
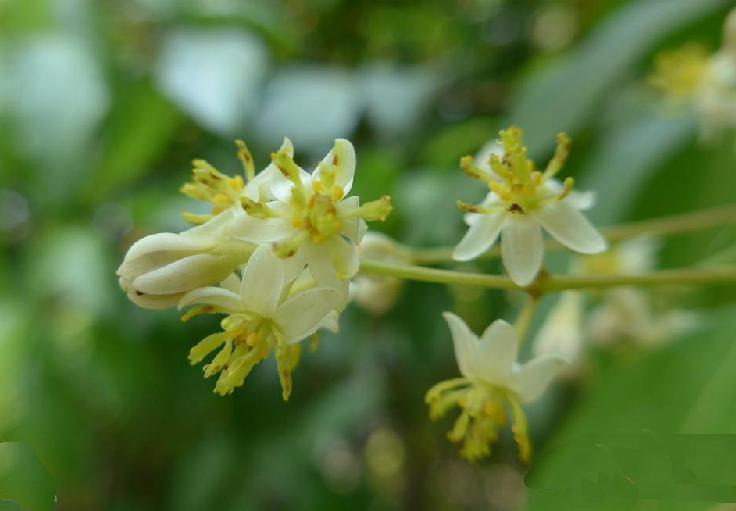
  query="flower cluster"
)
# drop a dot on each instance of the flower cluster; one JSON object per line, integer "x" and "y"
{"x": 522, "y": 201}
{"x": 707, "y": 81}
{"x": 623, "y": 315}
{"x": 274, "y": 255}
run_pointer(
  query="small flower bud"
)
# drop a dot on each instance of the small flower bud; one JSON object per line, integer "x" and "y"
{"x": 378, "y": 294}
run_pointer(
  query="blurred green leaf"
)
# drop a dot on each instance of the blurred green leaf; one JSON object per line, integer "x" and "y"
{"x": 683, "y": 388}
{"x": 626, "y": 157}
{"x": 23, "y": 479}
{"x": 138, "y": 131}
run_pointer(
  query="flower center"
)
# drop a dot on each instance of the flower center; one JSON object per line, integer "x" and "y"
{"x": 520, "y": 188}
{"x": 679, "y": 73}
{"x": 321, "y": 218}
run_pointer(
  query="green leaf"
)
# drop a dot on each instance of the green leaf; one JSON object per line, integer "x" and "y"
{"x": 688, "y": 387}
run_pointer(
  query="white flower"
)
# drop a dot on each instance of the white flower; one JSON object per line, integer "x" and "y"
{"x": 622, "y": 314}
{"x": 707, "y": 81}
{"x": 627, "y": 315}
{"x": 265, "y": 312}
{"x": 561, "y": 334}
{"x": 308, "y": 218}
{"x": 373, "y": 293}
{"x": 492, "y": 382}
{"x": 521, "y": 203}
{"x": 715, "y": 97}
{"x": 158, "y": 269}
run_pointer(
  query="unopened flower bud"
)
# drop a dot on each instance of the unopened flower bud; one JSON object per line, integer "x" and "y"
{"x": 158, "y": 269}
{"x": 378, "y": 294}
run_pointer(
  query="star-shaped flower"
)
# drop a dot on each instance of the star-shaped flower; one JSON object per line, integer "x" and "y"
{"x": 520, "y": 203}
{"x": 309, "y": 218}
{"x": 492, "y": 385}
{"x": 265, "y": 312}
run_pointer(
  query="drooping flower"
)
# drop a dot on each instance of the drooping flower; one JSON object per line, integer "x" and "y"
{"x": 265, "y": 312}
{"x": 520, "y": 203}
{"x": 158, "y": 269}
{"x": 309, "y": 218}
{"x": 378, "y": 294}
{"x": 492, "y": 387}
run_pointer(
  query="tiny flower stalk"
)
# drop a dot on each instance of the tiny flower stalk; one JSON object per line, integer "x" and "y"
{"x": 521, "y": 201}
{"x": 492, "y": 388}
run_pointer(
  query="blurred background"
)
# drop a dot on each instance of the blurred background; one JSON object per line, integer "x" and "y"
{"x": 103, "y": 104}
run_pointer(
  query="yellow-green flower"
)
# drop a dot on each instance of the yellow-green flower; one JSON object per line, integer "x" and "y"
{"x": 522, "y": 201}
{"x": 492, "y": 388}
{"x": 309, "y": 218}
{"x": 265, "y": 312}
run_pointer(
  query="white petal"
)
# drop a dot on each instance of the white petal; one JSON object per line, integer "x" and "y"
{"x": 211, "y": 295}
{"x": 351, "y": 227}
{"x": 480, "y": 237}
{"x": 331, "y": 322}
{"x": 465, "y": 342}
{"x": 581, "y": 200}
{"x": 263, "y": 280}
{"x": 578, "y": 200}
{"x": 344, "y": 153}
{"x": 231, "y": 283}
{"x": 568, "y": 226}
{"x": 293, "y": 266}
{"x": 259, "y": 230}
{"x": 217, "y": 225}
{"x": 166, "y": 242}
{"x": 269, "y": 184}
{"x": 491, "y": 200}
{"x": 536, "y": 375}
{"x": 187, "y": 273}
{"x": 154, "y": 301}
{"x": 344, "y": 256}
{"x": 522, "y": 249}
{"x": 320, "y": 264}
{"x": 496, "y": 353}
{"x": 302, "y": 314}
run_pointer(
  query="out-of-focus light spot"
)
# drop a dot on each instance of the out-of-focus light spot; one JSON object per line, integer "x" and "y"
{"x": 555, "y": 27}
{"x": 215, "y": 75}
{"x": 113, "y": 220}
{"x": 384, "y": 453}
{"x": 506, "y": 28}
{"x": 14, "y": 210}
{"x": 339, "y": 466}
{"x": 505, "y": 488}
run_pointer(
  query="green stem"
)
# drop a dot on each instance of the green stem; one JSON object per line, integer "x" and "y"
{"x": 524, "y": 319}
{"x": 675, "y": 224}
{"x": 554, "y": 283}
